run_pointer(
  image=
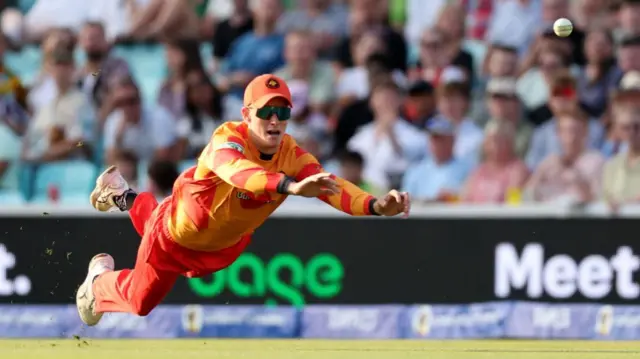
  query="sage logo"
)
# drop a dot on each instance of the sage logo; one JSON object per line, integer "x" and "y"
{"x": 20, "y": 285}
{"x": 561, "y": 276}
{"x": 285, "y": 278}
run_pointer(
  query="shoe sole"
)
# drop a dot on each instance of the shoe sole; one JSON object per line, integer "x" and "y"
{"x": 84, "y": 288}
{"x": 100, "y": 186}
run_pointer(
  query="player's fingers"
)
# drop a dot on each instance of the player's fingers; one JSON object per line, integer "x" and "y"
{"x": 407, "y": 203}
{"x": 396, "y": 195}
{"x": 328, "y": 181}
{"x": 320, "y": 176}
{"x": 327, "y": 191}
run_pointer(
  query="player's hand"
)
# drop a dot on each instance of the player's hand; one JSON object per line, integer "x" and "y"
{"x": 314, "y": 186}
{"x": 393, "y": 203}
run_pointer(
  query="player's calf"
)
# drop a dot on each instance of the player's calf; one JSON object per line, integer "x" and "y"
{"x": 85, "y": 298}
{"x": 112, "y": 192}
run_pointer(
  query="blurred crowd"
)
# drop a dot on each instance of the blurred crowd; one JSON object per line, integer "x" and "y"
{"x": 452, "y": 100}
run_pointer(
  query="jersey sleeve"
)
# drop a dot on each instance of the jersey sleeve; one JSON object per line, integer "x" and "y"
{"x": 224, "y": 155}
{"x": 350, "y": 200}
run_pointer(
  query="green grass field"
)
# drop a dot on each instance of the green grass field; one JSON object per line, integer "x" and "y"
{"x": 313, "y": 349}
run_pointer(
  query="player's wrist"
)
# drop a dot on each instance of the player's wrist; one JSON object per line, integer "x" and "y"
{"x": 285, "y": 185}
{"x": 374, "y": 207}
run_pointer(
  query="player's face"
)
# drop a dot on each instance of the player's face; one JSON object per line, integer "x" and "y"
{"x": 268, "y": 124}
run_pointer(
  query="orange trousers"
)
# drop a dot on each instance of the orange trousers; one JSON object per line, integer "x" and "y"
{"x": 160, "y": 262}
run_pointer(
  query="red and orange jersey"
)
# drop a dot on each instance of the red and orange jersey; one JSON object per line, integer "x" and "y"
{"x": 233, "y": 189}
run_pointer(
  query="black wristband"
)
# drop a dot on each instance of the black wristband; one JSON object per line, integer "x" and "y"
{"x": 372, "y": 207}
{"x": 283, "y": 185}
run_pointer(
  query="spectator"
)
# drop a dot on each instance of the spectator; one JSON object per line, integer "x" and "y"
{"x": 505, "y": 107}
{"x": 590, "y": 14}
{"x": 10, "y": 84}
{"x": 621, "y": 179}
{"x": 354, "y": 82}
{"x": 629, "y": 55}
{"x": 100, "y": 66}
{"x": 43, "y": 90}
{"x": 598, "y": 76}
{"x": 64, "y": 127}
{"x": 501, "y": 170}
{"x": 533, "y": 86}
{"x": 452, "y": 101}
{"x": 203, "y": 114}
{"x": 544, "y": 141}
{"x": 627, "y": 95}
{"x": 239, "y": 23}
{"x": 46, "y": 15}
{"x": 162, "y": 176}
{"x": 351, "y": 169}
{"x": 452, "y": 24}
{"x": 308, "y": 126}
{"x": 421, "y": 15}
{"x": 439, "y": 177}
{"x": 501, "y": 61}
{"x": 127, "y": 163}
{"x": 254, "y": 53}
{"x": 389, "y": 144}
{"x": 572, "y": 175}
{"x": 183, "y": 57}
{"x": 433, "y": 60}
{"x": 169, "y": 19}
{"x": 365, "y": 16}
{"x": 553, "y": 10}
{"x": 420, "y": 105}
{"x": 303, "y": 65}
{"x": 515, "y": 23}
{"x": 149, "y": 133}
{"x": 629, "y": 18}
{"x": 324, "y": 19}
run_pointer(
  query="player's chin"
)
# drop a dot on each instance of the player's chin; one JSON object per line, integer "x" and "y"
{"x": 273, "y": 137}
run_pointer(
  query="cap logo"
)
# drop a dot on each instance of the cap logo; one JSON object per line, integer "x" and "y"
{"x": 272, "y": 84}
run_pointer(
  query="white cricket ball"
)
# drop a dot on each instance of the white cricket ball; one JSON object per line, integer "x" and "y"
{"x": 562, "y": 27}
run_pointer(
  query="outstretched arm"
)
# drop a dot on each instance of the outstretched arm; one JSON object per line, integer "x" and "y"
{"x": 224, "y": 155}
{"x": 350, "y": 199}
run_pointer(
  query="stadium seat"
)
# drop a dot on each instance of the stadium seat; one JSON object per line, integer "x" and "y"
{"x": 74, "y": 180}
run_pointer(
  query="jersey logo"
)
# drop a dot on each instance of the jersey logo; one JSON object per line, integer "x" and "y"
{"x": 231, "y": 145}
{"x": 250, "y": 201}
{"x": 273, "y": 84}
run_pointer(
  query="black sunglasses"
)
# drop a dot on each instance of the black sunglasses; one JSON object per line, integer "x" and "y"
{"x": 265, "y": 113}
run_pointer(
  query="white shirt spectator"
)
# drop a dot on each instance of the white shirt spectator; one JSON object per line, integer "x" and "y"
{"x": 380, "y": 158}
{"x": 114, "y": 15}
{"x": 47, "y": 14}
{"x": 355, "y": 82}
{"x": 421, "y": 15}
{"x": 43, "y": 92}
{"x": 514, "y": 23}
{"x": 71, "y": 112}
{"x": 156, "y": 130}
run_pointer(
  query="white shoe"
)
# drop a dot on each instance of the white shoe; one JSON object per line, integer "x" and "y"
{"x": 109, "y": 191}
{"x": 85, "y": 299}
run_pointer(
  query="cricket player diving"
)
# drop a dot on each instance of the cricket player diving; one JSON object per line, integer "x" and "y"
{"x": 246, "y": 171}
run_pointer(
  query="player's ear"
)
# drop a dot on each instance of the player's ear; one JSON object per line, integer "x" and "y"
{"x": 246, "y": 114}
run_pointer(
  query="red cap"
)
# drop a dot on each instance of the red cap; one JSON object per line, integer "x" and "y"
{"x": 264, "y": 88}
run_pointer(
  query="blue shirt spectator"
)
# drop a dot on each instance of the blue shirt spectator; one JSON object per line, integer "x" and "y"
{"x": 545, "y": 142}
{"x": 255, "y": 54}
{"x": 440, "y": 176}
